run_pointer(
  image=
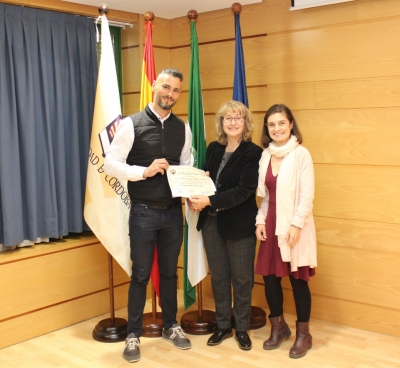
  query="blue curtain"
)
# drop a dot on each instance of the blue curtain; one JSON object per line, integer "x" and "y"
{"x": 48, "y": 74}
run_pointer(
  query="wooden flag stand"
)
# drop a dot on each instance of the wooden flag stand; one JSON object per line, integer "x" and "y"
{"x": 199, "y": 322}
{"x": 110, "y": 329}
{"x": 152, "y": 322}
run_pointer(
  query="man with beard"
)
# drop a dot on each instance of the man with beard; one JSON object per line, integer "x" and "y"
{"x": 144, "y": 146}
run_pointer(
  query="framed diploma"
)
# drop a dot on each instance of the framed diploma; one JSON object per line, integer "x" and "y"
{"x": 186, "y": 181}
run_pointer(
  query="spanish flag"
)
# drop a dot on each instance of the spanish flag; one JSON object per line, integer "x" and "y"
{"x": 148, "y": 68}
{"x": 146, "y": 96}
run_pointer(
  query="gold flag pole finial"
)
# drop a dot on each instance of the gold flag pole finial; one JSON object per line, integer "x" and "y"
{"x": 149, "y": 16}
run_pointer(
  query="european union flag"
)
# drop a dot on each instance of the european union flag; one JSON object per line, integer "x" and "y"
{"x": 239, "y": 82}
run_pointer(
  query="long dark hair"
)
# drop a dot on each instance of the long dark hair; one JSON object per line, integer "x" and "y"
{"x": 283, "y": 109}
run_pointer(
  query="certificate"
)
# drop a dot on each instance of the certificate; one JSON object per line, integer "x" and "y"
{"x": 186, "y": 181}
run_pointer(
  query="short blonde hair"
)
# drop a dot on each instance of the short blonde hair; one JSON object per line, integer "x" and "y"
{"x": 233, "y": 106}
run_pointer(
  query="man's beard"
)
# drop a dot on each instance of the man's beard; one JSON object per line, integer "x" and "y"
{"x": 165, "y": 106}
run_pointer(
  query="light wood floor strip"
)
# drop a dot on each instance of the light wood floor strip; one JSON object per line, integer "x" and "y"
{"x": 333, "y": 346}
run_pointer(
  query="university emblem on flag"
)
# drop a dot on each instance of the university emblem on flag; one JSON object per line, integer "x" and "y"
{"x": 106, "y": 136}
{"x": 193, "y": 157}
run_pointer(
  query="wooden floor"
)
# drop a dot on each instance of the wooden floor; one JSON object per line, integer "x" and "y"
{"x": 333, "y": 346}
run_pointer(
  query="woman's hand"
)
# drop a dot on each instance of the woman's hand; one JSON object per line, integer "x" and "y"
{"x": 293, "y": 235}
{"x": 190, "y": 205}
{"x": 199, "y": 202}
{"x": 261, "y": 232}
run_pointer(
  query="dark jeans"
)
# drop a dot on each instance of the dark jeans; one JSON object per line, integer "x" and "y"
{"x": 147, "y": 228}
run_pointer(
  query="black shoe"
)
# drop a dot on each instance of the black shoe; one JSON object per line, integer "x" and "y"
{"x": 243, "y": 339}
{"x": 218, "y": 336}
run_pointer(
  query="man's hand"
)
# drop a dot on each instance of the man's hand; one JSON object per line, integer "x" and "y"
{"x": 159, "y": 165}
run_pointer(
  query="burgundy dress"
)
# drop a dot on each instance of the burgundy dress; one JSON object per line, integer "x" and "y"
{"x": 269, "y": 260}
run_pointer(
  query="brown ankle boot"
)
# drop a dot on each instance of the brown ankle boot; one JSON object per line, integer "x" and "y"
{"x": 303, "y": 341}
{"x": 279, "y": 331}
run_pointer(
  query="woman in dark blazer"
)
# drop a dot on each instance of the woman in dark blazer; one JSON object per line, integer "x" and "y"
{"x": 227, "y": 219}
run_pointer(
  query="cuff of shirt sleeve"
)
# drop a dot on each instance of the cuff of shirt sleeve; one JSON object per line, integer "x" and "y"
{"x": 137, "y": 172}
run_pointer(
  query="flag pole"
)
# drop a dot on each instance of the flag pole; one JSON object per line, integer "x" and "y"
{"x": 152, "y": 322}
{"x": 258, "y": 317}
{"x": 110, "y": 329}
{"x": 200, "y": 322}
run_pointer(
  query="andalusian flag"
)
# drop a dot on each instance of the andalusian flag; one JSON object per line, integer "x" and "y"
{"x": 239, "y": 82}
{"x": 146, "y": 96}
{"x": 195, "y": 261}
{"x": 107, "y": 201}
{"x": 148, "y": 69}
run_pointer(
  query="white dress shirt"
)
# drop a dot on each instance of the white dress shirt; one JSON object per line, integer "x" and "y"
{"x": 115, "y": 162}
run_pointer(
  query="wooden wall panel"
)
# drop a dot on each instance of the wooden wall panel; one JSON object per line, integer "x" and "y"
{"x": 347, "y": 94}
{"x": 162, "y": 58}
{"x": 131, "y": 69}
{"x": 332, "y": 95}
{"x": 260, "y": 18}
{"x": 366, "y": 235}
{"x": 46, "y": 320}
{"x": 371, "y": 9}
{"x": 355, "y": 192}
{"x": 216, "y": 63}
{"x": 161, "y": 32}
{"x": 55, "y": 285}
{"x": 351, "y": 136}
{"x": 338, "y": 94}
{"x": 46, "y": 274}
{"x": 273, "y": 16}
{"x": 131, "y": 103}
{"x": 298, "y": 96}
{"x": 131, "y": 35}
{"x": 297, "y": 57}
{"x": 358, "y": 275}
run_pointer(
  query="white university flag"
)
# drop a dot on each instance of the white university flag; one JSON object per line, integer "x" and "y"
{"x": 107, "y": 201}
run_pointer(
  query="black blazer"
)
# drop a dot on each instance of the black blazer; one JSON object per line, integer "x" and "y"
{"x": 235, "y": 200}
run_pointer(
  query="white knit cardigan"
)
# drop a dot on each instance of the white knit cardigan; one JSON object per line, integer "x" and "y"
{"x": 304, "y": 252}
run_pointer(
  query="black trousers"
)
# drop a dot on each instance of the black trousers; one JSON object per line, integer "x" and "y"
{"x": 231, "y": 263}
{"x": 147, "y": 228}
{"x": 301, "y": 293}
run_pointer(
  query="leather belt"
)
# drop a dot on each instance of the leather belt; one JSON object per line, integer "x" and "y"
{"x": 160, "y": 208}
